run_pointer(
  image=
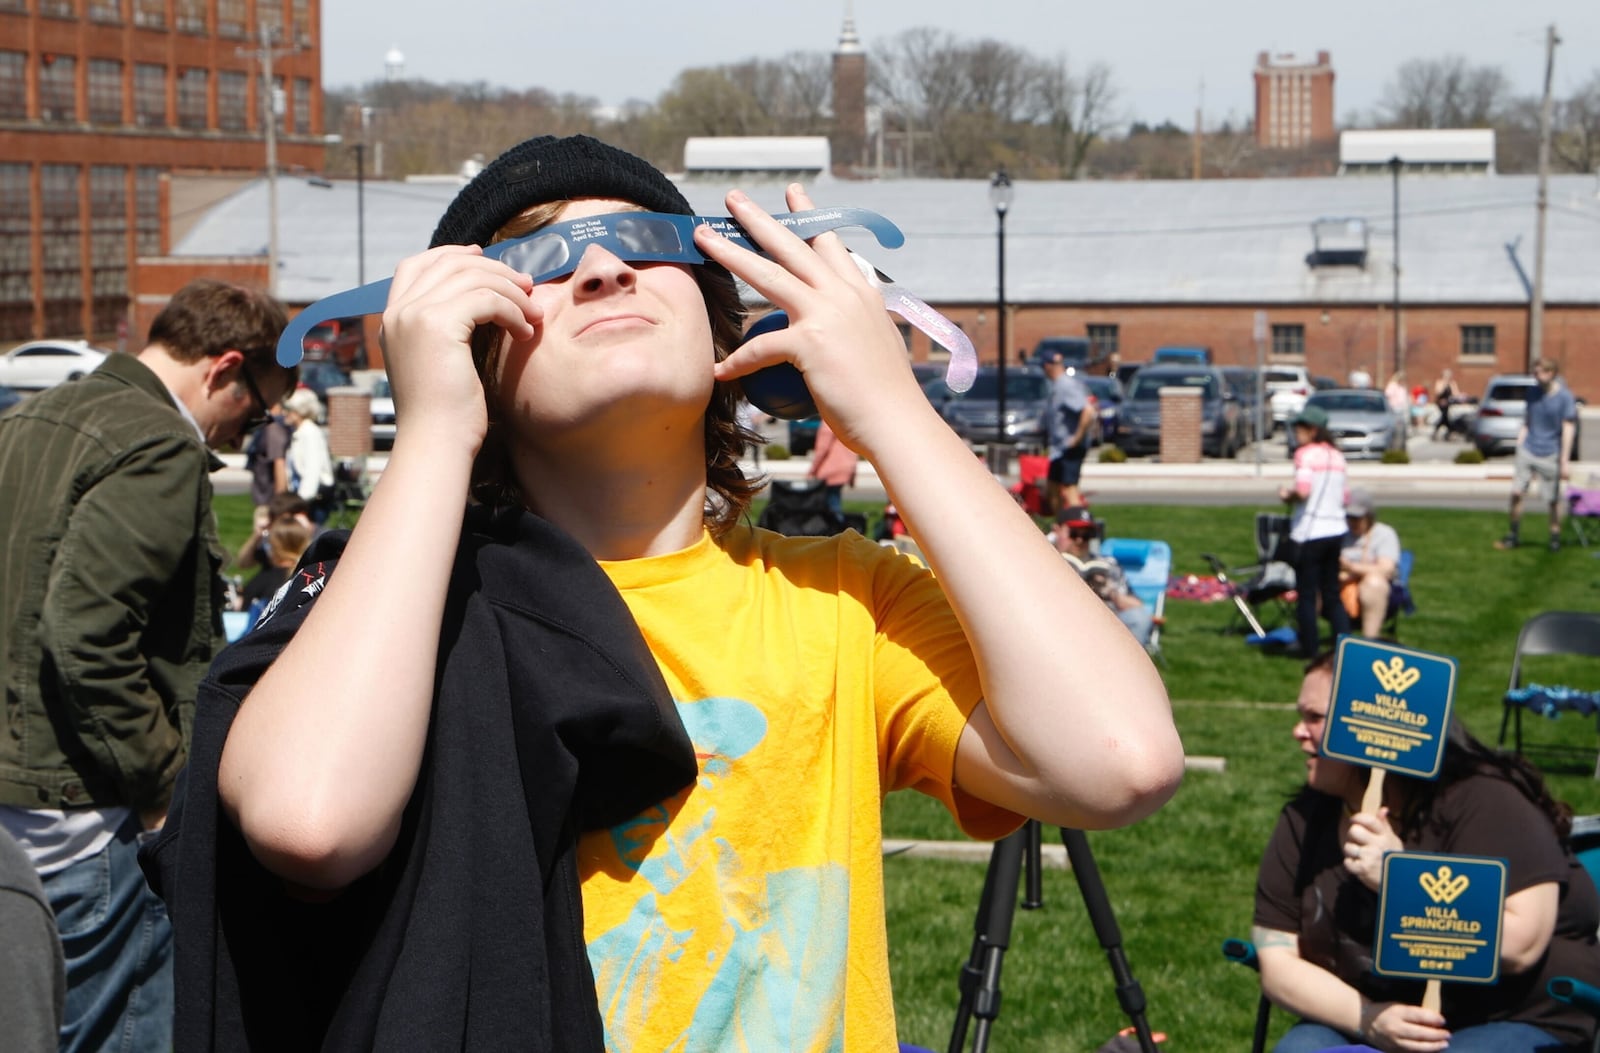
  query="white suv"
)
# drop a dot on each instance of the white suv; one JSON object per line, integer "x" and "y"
{"x": 1287, "y": 389}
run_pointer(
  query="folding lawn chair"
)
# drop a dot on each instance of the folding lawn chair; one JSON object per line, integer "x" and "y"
{"x": 1551, "y": 633}
{"x": 1582, "y": 504}
{"x": 1265, "y": 582}
{"x": 1585, "y": 841}
{"x": 1029, "y": 489}
{"x": 1400, "y": 601}
{"x": 1147, "y": 566}
{"x": 799, "y": 508}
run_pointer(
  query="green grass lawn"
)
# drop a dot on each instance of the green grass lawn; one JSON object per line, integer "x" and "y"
{"x": 1184, "y": 879}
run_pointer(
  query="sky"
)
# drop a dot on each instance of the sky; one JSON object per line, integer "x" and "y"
{"x": 1166, "y": 56}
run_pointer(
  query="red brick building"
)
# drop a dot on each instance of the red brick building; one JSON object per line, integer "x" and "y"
{"x": 1294, "y": 101}
{"x": 100, "y": 100}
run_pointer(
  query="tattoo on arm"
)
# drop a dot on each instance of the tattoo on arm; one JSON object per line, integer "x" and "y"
{"x": 1265, "y": 938}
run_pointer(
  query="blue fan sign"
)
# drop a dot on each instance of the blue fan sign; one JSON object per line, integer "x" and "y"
{"x": 1439, "y": 917}
{"x": 1390, "y": 708}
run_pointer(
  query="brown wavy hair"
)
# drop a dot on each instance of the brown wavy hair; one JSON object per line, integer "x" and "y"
{"x": 725, "y": 438}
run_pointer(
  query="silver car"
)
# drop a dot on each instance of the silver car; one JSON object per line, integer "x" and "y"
{"x": 1500, "y": 413}
{"x": 973, "y": 414}
{"x": 1359, "y": 418}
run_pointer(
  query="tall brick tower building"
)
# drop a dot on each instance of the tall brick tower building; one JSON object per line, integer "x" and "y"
{"x": 1294, "y": 101}
{"x": 849, "y": 139}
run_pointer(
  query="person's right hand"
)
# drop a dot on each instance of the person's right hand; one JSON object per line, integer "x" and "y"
{"x": 262, "y": 520}
{"x": 1395, "y": 1026}
{"x": 436, "y": 302}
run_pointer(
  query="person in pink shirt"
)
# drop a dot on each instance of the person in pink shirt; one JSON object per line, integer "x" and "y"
{"x": 1317, "y": 529}
{"x": 835, "y": 464}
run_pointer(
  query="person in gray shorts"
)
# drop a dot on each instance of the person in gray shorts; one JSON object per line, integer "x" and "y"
{"x": 1544, "y": 450}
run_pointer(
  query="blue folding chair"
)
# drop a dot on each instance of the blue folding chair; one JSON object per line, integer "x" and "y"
{"x": 1147, "y": 565}
{"x": 1585, "y": 839}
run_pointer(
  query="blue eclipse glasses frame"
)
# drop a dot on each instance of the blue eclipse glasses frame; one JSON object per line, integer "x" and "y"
{"x": 554, "y": 252}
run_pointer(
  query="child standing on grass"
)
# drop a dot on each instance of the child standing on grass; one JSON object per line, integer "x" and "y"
{"x": 738, "y": 904}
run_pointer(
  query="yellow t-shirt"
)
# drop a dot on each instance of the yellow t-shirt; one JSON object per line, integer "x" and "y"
{"x": 746, "y": 913}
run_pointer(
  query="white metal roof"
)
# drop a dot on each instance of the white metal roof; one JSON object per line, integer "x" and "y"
{"x": 756, "y": 153}
{"x": 1418, "y": 146}
{"x": 1464, "y": 238}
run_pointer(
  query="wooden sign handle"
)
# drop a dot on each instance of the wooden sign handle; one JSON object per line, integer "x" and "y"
{"x": 1372, "y": 800}
{"x": 1430, "y": 996}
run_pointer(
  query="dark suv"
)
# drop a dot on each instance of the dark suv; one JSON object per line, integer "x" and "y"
{"x": 1221, "y": 431}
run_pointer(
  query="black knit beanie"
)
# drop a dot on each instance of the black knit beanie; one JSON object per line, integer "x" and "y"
{"x": 549, "y": 168}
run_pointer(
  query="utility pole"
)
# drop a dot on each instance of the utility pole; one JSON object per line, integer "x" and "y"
{"x": 1199, "y": 133}
{"x": 1536, "y": 307}
{"x": 264, "y": 53}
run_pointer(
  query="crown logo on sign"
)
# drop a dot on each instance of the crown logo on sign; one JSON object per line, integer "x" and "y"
{"x": 1442, "y": 887}
{"x": 1395, "y": 677}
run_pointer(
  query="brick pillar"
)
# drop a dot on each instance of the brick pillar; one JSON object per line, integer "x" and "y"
{"x": 349, "y": 422}
{"x": 1180, "y": 425}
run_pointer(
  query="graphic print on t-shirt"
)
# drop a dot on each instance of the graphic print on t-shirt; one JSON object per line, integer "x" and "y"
{"x": 745, "y": 948}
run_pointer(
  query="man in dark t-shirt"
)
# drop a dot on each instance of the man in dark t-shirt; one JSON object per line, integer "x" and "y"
{"x": 266, "y": 460}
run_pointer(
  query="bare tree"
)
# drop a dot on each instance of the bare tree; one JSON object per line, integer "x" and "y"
{"x": 1071, "y": 113}
{"x": 1577, "y": 128}
{"x": 1444, "y": 92}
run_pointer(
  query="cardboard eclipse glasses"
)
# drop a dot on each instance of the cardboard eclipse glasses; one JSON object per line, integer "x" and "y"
{"x": 554, "y": 251}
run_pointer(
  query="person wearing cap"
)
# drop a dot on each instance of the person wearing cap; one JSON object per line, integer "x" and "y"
{"x": 1075, "y": 537}
{"x": 1067, "y": 419}
{"x": 1367, "y": 564}
{"x": 806, "y": 677}
{"x": 1317, "y": 526}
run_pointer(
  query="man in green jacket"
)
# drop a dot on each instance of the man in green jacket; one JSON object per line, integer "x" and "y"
{"x": 111, "y": 605}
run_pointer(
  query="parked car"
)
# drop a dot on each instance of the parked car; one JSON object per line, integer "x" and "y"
{"x": 382, "y": 404}
{"x": 8, "y": 397}
{"x": 926, "y": 371}
{"x": 1182, "y": 356}
{"x": 1501, "y": 411}
{"x": 1288, "y": 387}
{"x": 43, "y": 364}
{"x": 1359, "y": 418}
{"x": 1076, "y": 352}
{"x": 1247, "y": 385}
{"x": 974, "y": 415}
{"x": 319, "y": 376}
{"x": 342, "y": 341}
{"x": 1107, "y": 393}
{"x": 1125, "y": 373}
{"x": 1140, "y": 427}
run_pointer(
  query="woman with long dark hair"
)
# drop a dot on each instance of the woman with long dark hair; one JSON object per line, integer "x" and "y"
{"x": 1317, "y": 527}
{"x": 1317, "y": 900}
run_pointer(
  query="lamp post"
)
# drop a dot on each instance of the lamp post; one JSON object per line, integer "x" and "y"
{"x": 1000, "y": 193}
{"x": 1395, "y": 164}
{"x": 361, "y": 215}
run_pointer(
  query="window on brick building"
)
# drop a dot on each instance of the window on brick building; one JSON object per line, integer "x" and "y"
{"x": 270, "y": 13}
{"x": 58, "y": 8}
{"x": 302, "y": 105}
{"x": 61, "y": 241}
{"x": 1477, "y": 341}
{"x": 192, "y": 99}
{"x": 230, "y": 19}
{"x": 105, "y": 91}
{"x": 1289, "y": 341}
{"x": 13, "y": 85}
{"x": 147, "y": 211}
{"x": 58, "y": 89}
{"x": 106, "y": 11}
{"x": 108, "y": 246}
{"x": 233, "y": 100}
{"x": 1104, "y": 340}
{"x": 299, "y": 23}
{"x": 17, "y": 6}
{"x": 190, "y": 16}
{"x": 151, "y": 14}
{"x": 150, "y": 95}
{"x": 16, "y": 253}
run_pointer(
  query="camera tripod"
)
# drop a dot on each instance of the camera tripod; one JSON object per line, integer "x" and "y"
{"x": 980, "y": 976}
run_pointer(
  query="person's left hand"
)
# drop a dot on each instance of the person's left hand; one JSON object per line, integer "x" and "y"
{"x": 839, "y": 334}
{"x": 1368, "y": 838}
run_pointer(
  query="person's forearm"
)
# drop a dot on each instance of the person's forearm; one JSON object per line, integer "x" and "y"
{"x": 316, "y": 779}
{"x": 1049, "y": 652}
{"x": 1310, "y": 991}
